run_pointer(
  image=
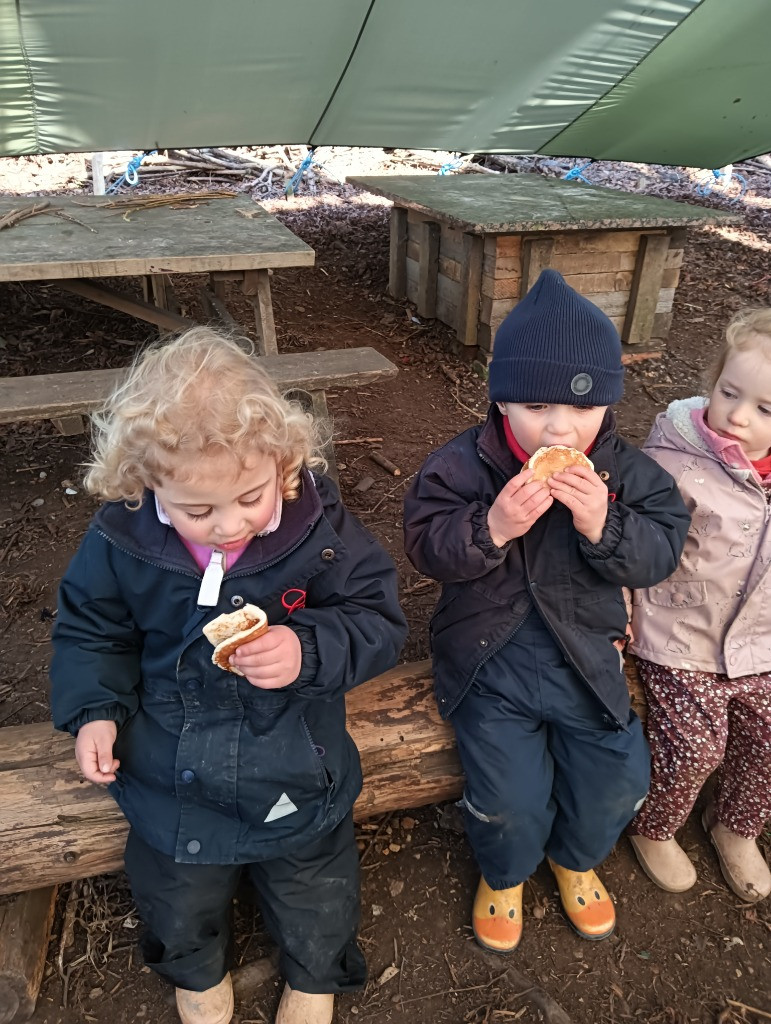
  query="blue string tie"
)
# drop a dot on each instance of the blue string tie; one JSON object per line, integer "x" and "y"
{"x": 131, "y": 176}
{"x": 577, "y": 173}
{"x": 292, "y": 185}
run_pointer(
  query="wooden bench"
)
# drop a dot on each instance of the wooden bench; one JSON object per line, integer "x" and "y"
{"x": 65, "y": 397}
{"x": 465, "y": 249}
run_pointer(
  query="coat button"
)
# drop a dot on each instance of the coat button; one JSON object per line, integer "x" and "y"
{"x": 237, "y": 601}
{"x": 187, "y": 775}
{"x": 604, "y": 475}
{"x": 328, "y": 554}
{"x": 191, "y": 684}
{"x": 483, "y": 643}
{"x": 193, "y": 846}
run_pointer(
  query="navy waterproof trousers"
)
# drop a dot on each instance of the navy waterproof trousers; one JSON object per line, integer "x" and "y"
{"x": 548, "y": 772}
{"x": 309, "y": 903}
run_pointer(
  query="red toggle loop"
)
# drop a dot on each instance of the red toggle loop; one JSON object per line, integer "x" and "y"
{"x": 293, "y": 599}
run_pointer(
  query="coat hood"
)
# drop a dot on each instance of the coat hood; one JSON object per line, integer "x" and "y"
{"x": 676, "y": 429}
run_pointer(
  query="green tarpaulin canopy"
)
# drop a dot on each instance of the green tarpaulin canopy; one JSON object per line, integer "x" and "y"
{"x": 667, "y": 81}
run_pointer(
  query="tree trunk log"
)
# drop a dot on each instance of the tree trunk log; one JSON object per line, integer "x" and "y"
{"x": 55, "y": 827}
{"x": 25, "y": 927}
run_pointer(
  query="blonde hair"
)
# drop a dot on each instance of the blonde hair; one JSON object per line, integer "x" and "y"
{"x": 199, "y": 394}
{"x": 748, "y": 329}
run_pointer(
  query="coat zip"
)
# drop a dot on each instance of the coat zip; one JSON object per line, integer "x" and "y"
{"x": 545, "y": 621}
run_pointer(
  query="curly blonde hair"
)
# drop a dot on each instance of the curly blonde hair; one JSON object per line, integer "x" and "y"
{"x": 198, "y": 394}
{"x": 748, "y": 329}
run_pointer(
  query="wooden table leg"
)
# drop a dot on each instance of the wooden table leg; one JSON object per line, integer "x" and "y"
{"x": 217, "y": 285}
{"x": 321, "y": 413}
{"x": 256, "y": 287}
{"x": 315, "y": 402}
{"x": 397, "y": 258}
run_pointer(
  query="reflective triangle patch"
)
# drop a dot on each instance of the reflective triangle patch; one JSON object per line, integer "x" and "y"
{"x": 281, "y": 808}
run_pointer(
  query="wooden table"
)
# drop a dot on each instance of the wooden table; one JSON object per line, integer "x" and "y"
{"x": 80, "y": 237}
{"x": 466, "y": 248}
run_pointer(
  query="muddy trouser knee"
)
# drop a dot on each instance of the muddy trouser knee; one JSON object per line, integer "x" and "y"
{"x": 309, "y": 902}
{"x": 186, "y": 913}
{"x": 545, "y": 773}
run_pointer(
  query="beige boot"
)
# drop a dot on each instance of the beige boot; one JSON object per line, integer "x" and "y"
{"x": 214, "y": 1006}
{"x": 665, "y": 862}
{"x": 305, "y": 1007}
{"x": 742, "y": 863}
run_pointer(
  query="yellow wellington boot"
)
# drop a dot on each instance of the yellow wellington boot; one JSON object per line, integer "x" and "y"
{"x": 586, "y": 902}
{"x": 497, "y": 917}
{"x": 214, "y": 1006}
{"x": 305, "y": 1007}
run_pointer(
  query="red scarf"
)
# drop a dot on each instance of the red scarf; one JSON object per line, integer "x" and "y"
{"x": 520, "y": 452}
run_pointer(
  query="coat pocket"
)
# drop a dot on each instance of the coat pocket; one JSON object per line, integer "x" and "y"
{"x": 674, "y": 594}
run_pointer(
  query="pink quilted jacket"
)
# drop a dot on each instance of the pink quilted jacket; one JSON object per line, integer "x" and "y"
{"x": 713, "y": 614}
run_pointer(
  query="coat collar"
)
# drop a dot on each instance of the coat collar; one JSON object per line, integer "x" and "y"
{"x": 142, "y": 534}
{"x": 677, "y": 424}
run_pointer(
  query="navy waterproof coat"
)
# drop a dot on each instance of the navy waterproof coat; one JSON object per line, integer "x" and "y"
{"x": 576, "y": 586}
{"x": 214, "y": 770}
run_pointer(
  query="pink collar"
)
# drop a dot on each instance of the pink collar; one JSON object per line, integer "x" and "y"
{"x": 728, "y": 451}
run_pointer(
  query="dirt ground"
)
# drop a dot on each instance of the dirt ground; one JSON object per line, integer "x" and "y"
{"x": 698, "y": 957}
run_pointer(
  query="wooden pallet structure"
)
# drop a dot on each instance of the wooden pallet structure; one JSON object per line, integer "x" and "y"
{"x": 465, "y": 249}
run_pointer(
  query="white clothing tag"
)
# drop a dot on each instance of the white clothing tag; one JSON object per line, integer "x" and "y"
{"x": 212, "y": 578}
{"x": 281, "y": 808}
{"x": 161, "y": 511}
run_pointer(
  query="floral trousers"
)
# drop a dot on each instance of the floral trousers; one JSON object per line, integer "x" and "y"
{"x": 699, "y": 722}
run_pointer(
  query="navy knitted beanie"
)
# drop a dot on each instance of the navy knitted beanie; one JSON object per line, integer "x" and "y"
{"x": 556, "y": 346}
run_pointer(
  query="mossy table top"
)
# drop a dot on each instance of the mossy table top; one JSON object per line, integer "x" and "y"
{"x": 228, "y": 233}
{"x": 511, "y": 203}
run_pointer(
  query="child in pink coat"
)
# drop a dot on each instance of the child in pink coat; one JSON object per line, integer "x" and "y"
{"x": 703, "y": 637}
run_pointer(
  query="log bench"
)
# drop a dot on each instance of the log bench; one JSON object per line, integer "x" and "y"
{"x": 466, "y": 248}
{"x": 56, "y": 827}
{"x": 65, "y": 397}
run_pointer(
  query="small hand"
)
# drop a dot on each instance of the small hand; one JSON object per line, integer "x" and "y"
{"x": 582, "y": 492}
{"x": 518, "y": 505}
{"x": 93, "y": 751}
{"x": 272, "y": 661}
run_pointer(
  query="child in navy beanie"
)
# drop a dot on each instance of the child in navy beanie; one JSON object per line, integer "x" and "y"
{"x": 528, "y": 635}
